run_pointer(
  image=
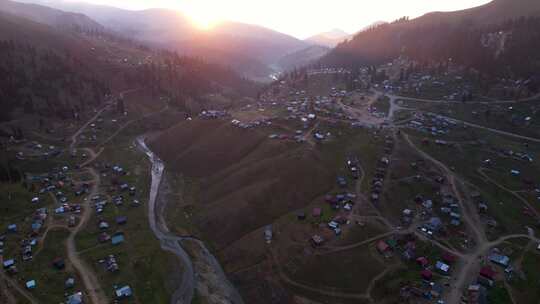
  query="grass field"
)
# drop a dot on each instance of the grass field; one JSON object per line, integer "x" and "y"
{"x": 526, "y": 289}
{"x": 347, "y": 271}
{"x": 50, "y": 282}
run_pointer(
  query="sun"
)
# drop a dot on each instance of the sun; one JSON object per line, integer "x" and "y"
{"x": 201, "y": 16}
{"x": 204, "y": 20}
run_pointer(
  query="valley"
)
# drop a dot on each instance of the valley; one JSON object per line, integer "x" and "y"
{"x": 145, "y": 168}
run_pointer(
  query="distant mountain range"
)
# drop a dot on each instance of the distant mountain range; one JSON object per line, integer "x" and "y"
{"x": 251, "y": 50}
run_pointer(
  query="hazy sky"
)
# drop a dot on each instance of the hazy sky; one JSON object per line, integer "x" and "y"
{"x": 300, "y": 18}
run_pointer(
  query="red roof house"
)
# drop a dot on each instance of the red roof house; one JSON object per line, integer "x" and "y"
{"x": 422, "y": 261}
{"x": 488, "y": 272}
{"x": 426, "y": 274}
{"x": 382, "y": 246}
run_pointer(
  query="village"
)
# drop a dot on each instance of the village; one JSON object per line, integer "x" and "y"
{"x": 431, "y": 233}
{"x": 444, "y": 211}
{"x": 67, "y": 226}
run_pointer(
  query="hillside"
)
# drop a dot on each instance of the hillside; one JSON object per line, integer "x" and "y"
{"x": 249, "y": 49}
{"x": 492, "y": 38}
{"x": 303, "y": 57}
{"x": 49, "y": 16}
{"x": 246, "y": 176}
{"x": 61, "y": 71}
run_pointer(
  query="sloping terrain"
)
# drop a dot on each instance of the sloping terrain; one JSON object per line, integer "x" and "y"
{"x": 303, "y": 57}
{"x": 49, "y": 16}
{"x": 61, "y": 70}
{"x": 471, "y": 37}
{"x": 244, "y": 176}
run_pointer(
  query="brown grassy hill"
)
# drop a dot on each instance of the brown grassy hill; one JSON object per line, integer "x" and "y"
{"x": 247, "y": 180}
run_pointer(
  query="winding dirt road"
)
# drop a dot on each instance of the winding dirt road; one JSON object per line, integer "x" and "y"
{"x": 90, "y": 280}
{"x": 469, "y": 264}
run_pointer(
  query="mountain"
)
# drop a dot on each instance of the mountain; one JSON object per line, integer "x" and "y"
{"x": 57, "y": 71}
{"x": 48, "y": 16}
{"x": 249, "y": 49}
{"x": 303, "y": 57}
{"x": 329, "y": 39}
{"x": 496, "y": 38}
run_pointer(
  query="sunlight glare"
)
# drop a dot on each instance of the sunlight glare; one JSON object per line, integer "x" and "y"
{"x": 202, "y": 16}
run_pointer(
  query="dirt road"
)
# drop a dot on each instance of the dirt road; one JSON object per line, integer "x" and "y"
{"x": 76, "y": 135}
{"x": 18, "y": 288}
{"x": 469, "y": 264}
{"x": 90, "y": 281}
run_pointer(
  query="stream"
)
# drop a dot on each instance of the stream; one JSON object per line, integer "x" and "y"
{"x": 172, "y": 243}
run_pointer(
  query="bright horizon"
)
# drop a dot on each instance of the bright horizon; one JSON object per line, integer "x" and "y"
{"x": 299, "y": 18}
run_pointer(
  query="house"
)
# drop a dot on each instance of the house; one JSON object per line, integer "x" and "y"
{"x": 422, "y": 261}
{"x": 123, "y": 292}
{"x": 70, "y": 283}
{"x": 383, "y": 247}
{"x": 442, "y": 267}
{"x": 317, "y": 212}
{"x": 301, "y": 215}
{"x": 268, "y": 234}
{"x": 488, "y": 272}
{"x": 392, "y": 243}
{"x": 434, "y": 224}
{"x": 12, "y": 228}
{"x": 426, "y": 274}
{"x": 76, "y": 298}
{"x": 9, "y": 263}
{"x": 104, "y": 237}
{"x": 59, "y": 263}
{"x": 341, "y": 181}
{"x": 408, "y": 254}
{"x": 317, "y": 241}
{"x": 498, "y": 259}
{"x": 31, "y": 284}
{"x": 428, "y": 204}
{"x": 117, "y": 238}
{"x": 103, "y": 225}
{"x": 121, "y": 220}
{"x": 333, "y": 225}
{"x": 407, "y": 212}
